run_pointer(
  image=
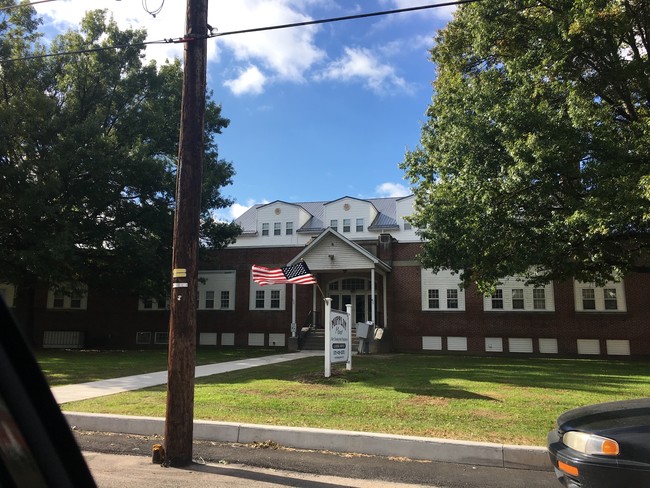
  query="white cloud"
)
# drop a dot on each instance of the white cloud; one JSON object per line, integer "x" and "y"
{"x": 235, "y": 210}
{"x": 251, "y": 80}
{"x": 169, "y": 23}
{"x": 392, "y": 190}
{"x": 362, "y": 65}
{"x": 442, "y": 13}
{"x": 286, "y": 53}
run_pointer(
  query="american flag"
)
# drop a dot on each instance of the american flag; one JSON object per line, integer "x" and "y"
{"x": 296, "y": 274}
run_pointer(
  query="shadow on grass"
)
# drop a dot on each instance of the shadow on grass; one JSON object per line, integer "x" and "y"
{"x": 431, "y": 375}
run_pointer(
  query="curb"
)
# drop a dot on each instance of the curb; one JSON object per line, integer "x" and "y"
{"x": 421, "y": 448}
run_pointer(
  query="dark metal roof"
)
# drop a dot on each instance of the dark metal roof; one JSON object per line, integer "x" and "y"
{"x": 386, "y": 215}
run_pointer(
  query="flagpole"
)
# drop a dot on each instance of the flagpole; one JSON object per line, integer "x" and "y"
{"x": 328, "y": 338}
{"x": 348, "y": 310}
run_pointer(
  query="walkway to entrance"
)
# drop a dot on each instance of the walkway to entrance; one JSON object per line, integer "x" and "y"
{"x": 83, "y": 391}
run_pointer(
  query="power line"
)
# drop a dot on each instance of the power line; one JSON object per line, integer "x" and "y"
{"x": 26, "y": 4}
{"x": 242, "y": 31}
{"x": 347, "y": 17}
{"x": 155, "y": 11}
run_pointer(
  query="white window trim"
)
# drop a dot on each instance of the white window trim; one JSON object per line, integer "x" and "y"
{"x": 154, "y": 305}
{"x": 599, "y": 292}
{"x": 514, "y": 282}
{"x": 143, "y": 337}
{"x": 67, "y": 300}
{"x": 254, "y": 287}
{"x": 442, "y": 281}
{"x": 217, "y": 281}
{"x": 8, "y": 291}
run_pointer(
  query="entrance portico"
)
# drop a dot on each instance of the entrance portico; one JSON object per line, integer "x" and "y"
{"x": 349, "y": 274}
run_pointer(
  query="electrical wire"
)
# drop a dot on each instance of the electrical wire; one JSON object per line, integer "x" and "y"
{"x": 154, "y": 12}
{"x": 211, "y": 34}
{"x": 347, "y": 17}
{"x": 25, "y": 4}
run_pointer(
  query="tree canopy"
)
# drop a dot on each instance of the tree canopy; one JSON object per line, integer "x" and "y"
{"x": 88, "y": 152}
{"x": 535, "y": 157}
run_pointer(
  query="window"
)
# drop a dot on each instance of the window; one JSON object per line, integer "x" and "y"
{"x": 497, "y": 300}
{"x": 352, "y": 284}
{"x": 514, "y": 295}
{"x": 359, "y": 227}
{"x": 611, "y": 303}
{"x": 259, "y": 299}
{"x": 334, "y": 224}
{"x": 275, "y": 298}
{"x": 59, "y": 299}
{"x": 267, "y": 297}
{"x": 592, "y": 298}
{"x": 588, "y": 299}
{"x": 539, "y": 299}
{"x": 265, "y": 229}
{"x": 277, "y": 228}
{"x": 143, "y": 337}
{"x": 346, "y": 225}
{"x": 7, "y": 292}
{"x": 225, "y": 299}
{"x": 62, "y": 300}
{"x": 452, "y": 298}
{"x": 161, "y": 338}
{"x": 288, "y": 228}
{"x": 407, "y": 226}
{"x": 209, "y": 299}
{"x": 334, "y": 285}
{"x": 216, "y": 289}
{"x": 147, "y": 303}
{"x": 441, "y": 291}
{"x": 75, "y": 300}
{"x": 434, "y": 299}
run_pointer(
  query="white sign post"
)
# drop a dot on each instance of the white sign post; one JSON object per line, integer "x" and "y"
{"x": 338, "y": 337}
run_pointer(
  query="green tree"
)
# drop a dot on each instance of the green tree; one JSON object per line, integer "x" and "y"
{"x": 88, "y": 150}
{"x": 534, "y": 159}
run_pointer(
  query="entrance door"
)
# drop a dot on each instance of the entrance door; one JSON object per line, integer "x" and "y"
{"x": 355, "y": 292}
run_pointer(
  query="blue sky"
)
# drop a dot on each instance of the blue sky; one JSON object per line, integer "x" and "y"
{"x": 316, "y": 113}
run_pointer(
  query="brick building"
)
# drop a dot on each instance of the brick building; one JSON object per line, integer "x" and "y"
{"x": 363, "y": 253}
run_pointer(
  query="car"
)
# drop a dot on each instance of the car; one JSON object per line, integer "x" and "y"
{"x": 606, "y": 445}
{"x": 37, "y": 447}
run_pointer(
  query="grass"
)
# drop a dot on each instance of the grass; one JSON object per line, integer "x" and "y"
{"x": 64, "y": 367}
{"x": 506, "y": 400}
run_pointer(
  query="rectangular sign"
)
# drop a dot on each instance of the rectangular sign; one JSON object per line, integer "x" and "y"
{"x": 339, "y": 337}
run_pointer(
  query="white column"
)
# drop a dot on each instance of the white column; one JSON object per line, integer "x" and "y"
{"x": 385, "y": 305}
{"x": 328, "y": 338}
{"x": 348, "y": 309}
{"x": 372, "y": 296}
{"x": 294, "y": 327}
{"x": 313, "y": 304}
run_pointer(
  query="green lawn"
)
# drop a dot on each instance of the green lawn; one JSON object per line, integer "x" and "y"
{"x": 491, "y": 399}
{"x": 64, "y": 367}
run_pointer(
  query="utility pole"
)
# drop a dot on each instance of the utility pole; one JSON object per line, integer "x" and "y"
{"x": 179, "y": 418}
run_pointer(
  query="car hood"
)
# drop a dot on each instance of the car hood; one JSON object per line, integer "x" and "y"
{"x": 604, "y": 417}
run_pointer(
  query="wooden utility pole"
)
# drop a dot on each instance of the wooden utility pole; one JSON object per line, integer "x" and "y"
{"x": 182, "y": 323}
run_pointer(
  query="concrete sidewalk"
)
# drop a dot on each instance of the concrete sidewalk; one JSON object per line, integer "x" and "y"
{"x": 84, "y": 391}
{"x": 423, "y": 448}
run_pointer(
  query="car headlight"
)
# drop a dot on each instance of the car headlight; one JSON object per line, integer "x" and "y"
{"x": 590, "y": 443}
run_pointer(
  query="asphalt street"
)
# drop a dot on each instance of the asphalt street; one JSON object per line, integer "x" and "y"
{"x": 124, "y": 460}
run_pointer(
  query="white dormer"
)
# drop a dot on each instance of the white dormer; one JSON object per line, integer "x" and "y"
{"x": 404, "y": 208}
{"x": 350, "y": 217}
{"x": 278, "y": 223}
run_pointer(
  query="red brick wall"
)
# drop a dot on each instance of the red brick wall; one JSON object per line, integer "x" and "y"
{"x": 112, "y": 321}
